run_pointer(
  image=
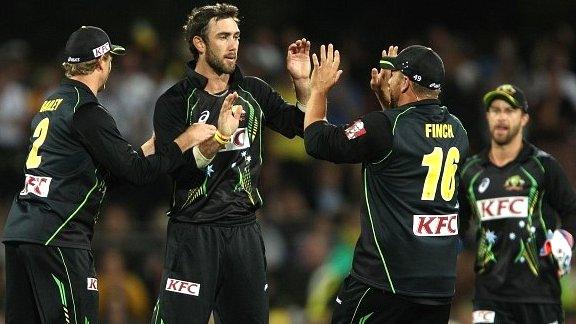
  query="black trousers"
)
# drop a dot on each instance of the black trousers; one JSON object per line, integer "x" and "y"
{"x": 497, "y": 312}
{"x": 213, "y": 269}
{"x": 48, "y": 284}
{"x": 360, "y": 303}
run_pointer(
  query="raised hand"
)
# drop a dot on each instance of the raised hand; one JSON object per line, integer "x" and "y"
{"x": 325, "y": 73}
{"x": 298, "y": 60}
{"x": 379, "y": 79}
{"x": 230, "y": 115}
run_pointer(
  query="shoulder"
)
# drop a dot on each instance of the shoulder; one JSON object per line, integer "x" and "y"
{"x": 457, "y": 121}
{"x": 255, "y": 86}
{"x": 174, "y": 97}
{"x": 544, "y": 159}
{"x": 471, "y": 163}
{"x": 91, "y": 116}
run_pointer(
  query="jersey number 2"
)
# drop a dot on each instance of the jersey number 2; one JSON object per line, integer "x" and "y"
{"x": 434, "y": 163}
{"x": 33, "y": 160}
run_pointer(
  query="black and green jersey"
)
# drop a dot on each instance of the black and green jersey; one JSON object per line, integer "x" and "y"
{"x": 226, "y": 191}
{"x": 410, "y": 159}
{"x": 75, "y": 151}
{"x": 515, "y": 206}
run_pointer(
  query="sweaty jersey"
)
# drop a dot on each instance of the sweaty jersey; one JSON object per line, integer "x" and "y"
{"x": 76, "y": 149}
{"x": 514, "y": 207}
{"x": 410, "y": 159}
{"x": 225, "y": 191}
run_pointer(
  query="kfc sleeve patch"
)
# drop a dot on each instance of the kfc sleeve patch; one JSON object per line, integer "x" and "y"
{"x": 355, "y": 130}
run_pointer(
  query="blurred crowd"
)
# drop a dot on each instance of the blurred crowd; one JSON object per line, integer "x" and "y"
{"x": 310, "y": 215}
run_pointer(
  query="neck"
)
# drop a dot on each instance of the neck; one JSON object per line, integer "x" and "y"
{"x": 89, "y": 80}
{"x": 216, "y": 82}
{"x": 406, "y": 98}
{"x": 501, "y": 155}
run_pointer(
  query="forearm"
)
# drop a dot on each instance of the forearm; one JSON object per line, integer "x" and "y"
{"x": 302, "y": 89}
{"x": 316, "y": 108}
{"x": 209, "y": 148}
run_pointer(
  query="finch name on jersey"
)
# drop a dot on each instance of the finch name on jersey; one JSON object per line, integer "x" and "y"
{"x": 439, "y": 130}
{"x": 503, "y": 207}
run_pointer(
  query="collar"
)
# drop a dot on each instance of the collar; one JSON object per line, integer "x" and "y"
{"x": 421, "y": 103}
{"x": 525, "y": 153}
{"x": 74, "y": 83}
{"x": 200, "y": 81}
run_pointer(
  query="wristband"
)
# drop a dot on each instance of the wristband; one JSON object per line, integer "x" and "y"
{"x": 221, "y": 139}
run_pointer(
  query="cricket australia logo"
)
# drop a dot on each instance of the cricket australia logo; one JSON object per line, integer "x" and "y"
{"x": 514, "y": 183}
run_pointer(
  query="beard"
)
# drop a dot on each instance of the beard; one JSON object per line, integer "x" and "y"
{"x": 507, "y": 138}
{"x": 217, "y": 64}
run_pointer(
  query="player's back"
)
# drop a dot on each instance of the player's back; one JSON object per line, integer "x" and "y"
{"x": 63, "y": 188}
{"x": 411, "y": 204}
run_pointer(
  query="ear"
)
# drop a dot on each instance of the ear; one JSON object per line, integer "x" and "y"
{"x": 199, "y": 44}
{"x": 405, "y": 84}
{"x": 525, "y": 119}
{"x": 102, "y": 63}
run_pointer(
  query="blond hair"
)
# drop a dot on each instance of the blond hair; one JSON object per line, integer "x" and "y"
{"x": 84, "y": 68}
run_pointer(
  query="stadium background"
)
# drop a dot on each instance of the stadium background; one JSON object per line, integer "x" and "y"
{"x": 310, "y": 217}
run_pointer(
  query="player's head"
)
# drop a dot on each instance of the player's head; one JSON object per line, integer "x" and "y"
{"x": 506, "y": 113}
{"x": 417, "y": 74}
{"x": 213, "y": 35}
{"x": 88, "y": 53}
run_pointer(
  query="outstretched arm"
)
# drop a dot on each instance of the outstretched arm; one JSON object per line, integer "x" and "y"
{"x": 324, "y": 77}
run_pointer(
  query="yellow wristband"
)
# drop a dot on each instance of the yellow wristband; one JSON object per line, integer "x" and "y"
{"x": 221, "y": 139}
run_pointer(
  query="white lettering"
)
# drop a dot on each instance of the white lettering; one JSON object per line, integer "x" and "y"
{"x": 503, "y": 207}
{"x": 183, "y": 287}
{"x": 435, "y": 225}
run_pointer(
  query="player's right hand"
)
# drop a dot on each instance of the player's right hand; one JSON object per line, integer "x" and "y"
{"x": 325, "y": 73}
{"x": 194, "y": 135}
{"x": 230, "y": 115}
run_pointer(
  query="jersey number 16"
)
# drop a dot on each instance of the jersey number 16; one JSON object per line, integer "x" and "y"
{"x": 434, "y": 163}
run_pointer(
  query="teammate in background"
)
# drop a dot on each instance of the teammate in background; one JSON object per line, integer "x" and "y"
{"x": 215, "y": 255}
{"x": 76, "y": 151}
{"x": 404, "y": 265}
{"x": 520, "y": 198}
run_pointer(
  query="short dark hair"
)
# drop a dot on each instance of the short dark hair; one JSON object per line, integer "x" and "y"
{"x": 197, "y": 22}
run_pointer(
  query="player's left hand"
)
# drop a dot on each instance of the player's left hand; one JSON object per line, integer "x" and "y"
{"x": 559, "y": 244}
{"x": 298, "y": 60}
{"x": 326, "y": 72}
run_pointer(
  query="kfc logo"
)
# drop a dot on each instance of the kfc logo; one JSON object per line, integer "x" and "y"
{"x": 435, "y": 225}
{"x": 504, "y": 207}
{"x": 101, "y": 50}
{"x": 92, "y": 284}
{"x": 183, "y": 287}
{"x": 39, "y": 186}
{"x": 238, "y": 141}
{"x": 355, "y": 130}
